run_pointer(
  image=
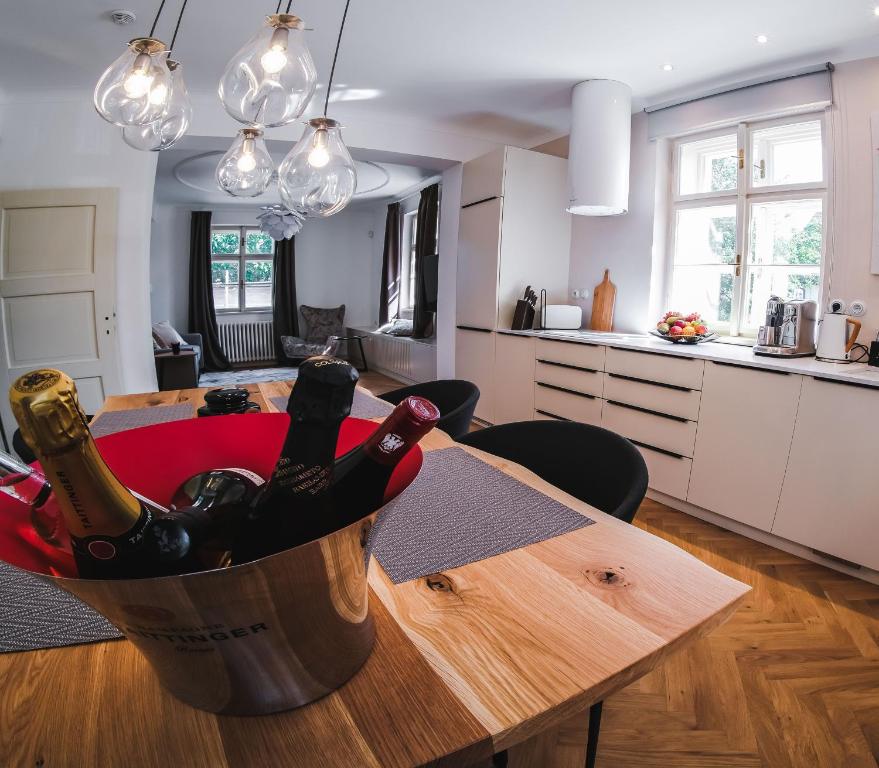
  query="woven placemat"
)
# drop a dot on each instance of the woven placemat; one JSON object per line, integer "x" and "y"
{"x": 118, "y": 421}
{"x": 363, "y": 407}
{"x": 36, "y": 614}
{"x": 460, "y": 510}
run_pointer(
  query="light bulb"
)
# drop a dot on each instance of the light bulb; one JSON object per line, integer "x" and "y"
{"x": 319, "y": 156}
{"x": 173, "y": 123}
{"x": 318, "y": 177}
{"x": 133, "y": 90}
{"x": 271, "y": 80}
{"x": 159, "y": 94}
{"x": 246, "y": 169}
{"x": 275, "y": 58}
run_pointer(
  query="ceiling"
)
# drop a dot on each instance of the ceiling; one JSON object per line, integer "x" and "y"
{"x": 476, "y": 67}
{"x": 185, "y": 175}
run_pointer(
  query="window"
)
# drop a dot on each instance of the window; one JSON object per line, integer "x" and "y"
{"x": 242, "y": 259}
{"x": 407, "y": 262}
{"x": 747, "y": 220}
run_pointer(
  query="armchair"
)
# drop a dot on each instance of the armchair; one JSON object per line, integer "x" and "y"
{"x": 318, "y": 324}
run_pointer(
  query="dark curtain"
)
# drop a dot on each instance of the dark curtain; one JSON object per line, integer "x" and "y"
{"x": 426, "y": 262}
{"x": 285, "y": 314}
{"x": 202, "y": 318}
{"x": 389, "y": 295}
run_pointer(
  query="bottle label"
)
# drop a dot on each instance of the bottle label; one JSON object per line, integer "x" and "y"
{"x": 37, "y": 381}
{"x": 391, "y": 443}
{"x": 252, "y": 476}
{"x": 109, "y": 547}
{"x": 297, "y": 478}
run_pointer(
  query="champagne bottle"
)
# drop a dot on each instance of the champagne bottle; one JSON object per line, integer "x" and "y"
{"x": 114, "y": 534}
{"x": 362, "y": 474}
{"x": 295, "y": 503}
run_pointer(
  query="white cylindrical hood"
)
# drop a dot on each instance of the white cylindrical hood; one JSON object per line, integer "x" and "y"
{"x": 598, "y": 158}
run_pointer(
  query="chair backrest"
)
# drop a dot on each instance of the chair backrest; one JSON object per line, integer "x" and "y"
{"x": 322, "y": 322}
{"x": 596, "y": 465}
{"x": 455, "y": 398}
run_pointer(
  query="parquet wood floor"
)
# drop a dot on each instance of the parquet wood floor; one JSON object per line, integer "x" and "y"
{"x": 791, "y": 681}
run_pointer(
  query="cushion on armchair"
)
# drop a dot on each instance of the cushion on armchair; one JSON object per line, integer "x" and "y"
{"x": 321, "y": 322}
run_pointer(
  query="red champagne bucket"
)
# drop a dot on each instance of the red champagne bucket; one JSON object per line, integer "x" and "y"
{"x": 251, "y": 639}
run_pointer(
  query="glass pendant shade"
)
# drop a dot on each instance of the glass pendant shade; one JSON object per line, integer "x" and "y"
{"x": 246, "y": 169}
{"x": 172, "y": 125}
{"x": 135, "y": 88}
{"x": 318, "y": 177}
{"x": 271, "y": 80}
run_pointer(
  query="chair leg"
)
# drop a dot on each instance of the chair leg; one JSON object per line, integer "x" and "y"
{"x": 592, "y": 737}
{"x": 365, "y": 368}
{"x": 500, "y": 759}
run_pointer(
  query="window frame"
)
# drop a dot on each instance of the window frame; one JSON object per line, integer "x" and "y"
{"x": 743, "y": 197}
{"x": 242, "y": 257}
{"x": 407, "y": 262}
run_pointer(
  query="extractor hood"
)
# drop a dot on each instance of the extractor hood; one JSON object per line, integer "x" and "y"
{"x": 598, "y": 157}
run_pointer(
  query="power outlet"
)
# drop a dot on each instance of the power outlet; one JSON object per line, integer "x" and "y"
{"x": 580, "y": 293}
{"x": 857, "y": 308}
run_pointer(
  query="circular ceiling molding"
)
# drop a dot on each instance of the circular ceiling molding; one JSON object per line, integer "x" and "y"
{"x": 198, "y": 172}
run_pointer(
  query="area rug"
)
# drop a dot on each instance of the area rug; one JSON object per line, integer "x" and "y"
{"x": 230, "y": 378}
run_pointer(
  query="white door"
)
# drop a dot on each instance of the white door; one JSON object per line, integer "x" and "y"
{"x": 479, "y": 237}
{"x": 746, "y": 423}
{"x": 58, "y": 289}
{"x": 474, "y": 361}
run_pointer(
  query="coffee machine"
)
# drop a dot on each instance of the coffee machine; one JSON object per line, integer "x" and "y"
{"x": 789, "y": 329}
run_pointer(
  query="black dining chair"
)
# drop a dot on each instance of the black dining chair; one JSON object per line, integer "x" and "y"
{"x": 455, "y": 398}
{"x": 593, "y": 464}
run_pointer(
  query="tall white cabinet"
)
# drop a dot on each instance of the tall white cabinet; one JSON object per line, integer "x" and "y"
{"x": 513, "y": 232}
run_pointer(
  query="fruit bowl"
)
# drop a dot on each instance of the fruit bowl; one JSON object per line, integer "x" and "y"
{"x": 683, "y": 329}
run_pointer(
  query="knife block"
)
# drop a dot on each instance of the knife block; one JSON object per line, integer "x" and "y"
{"x": 523, "y": 317}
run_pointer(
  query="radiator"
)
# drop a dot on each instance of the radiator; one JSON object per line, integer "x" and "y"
{"x": 251, "y": 342}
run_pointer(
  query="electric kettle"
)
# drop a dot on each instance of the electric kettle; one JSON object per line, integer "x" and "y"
{"x": 837, "y": 333}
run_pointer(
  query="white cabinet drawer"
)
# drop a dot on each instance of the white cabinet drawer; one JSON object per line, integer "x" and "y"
{"x": 665, "y": 398}
{"x": 572, "y": 353}
{"x": 569, "y": 377}
{"x": 666, "y": 369}
{"x": 567, "y": 405}
{"x": 669, "y": 474}
{"x": 667, "y": 432}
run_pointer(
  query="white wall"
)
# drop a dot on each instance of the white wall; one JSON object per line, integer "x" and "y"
{"x": 63, "y": 143}
{"x": 337, "y": 261}
{"x": 450, "y": 211}
{"x": 632, "y": 245}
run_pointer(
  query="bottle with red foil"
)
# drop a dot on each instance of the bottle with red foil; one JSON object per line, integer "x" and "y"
{"x": 361, "y": 475}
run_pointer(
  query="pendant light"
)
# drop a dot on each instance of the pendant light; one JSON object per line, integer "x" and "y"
{"x": 134, "y": 89}
{"x": 318, "y": 177}
{"x": 176, "y": 116}
{"x": 271, "y": 80}
{"x": 246, "y": 169}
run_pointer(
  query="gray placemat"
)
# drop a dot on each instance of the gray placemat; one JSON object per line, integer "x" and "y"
{"x": 460, "y": 510}
{"x": 35, "y": 614}
{"x": 118, "y": 421}
{"x": 363, "y": 407}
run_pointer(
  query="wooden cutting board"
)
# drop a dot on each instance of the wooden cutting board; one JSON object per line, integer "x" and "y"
{"x": 602, "y": 304}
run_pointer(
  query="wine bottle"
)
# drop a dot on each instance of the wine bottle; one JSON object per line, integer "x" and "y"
{"x": 295, "y": 502}
{"x": 114, "y": 534}
{"x": 361, "y": 476}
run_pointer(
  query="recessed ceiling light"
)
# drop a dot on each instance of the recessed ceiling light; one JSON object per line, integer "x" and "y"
{"x": 667, "y": 67}
{"x": 876, "y": 11}
{"x": 762, "y": 39}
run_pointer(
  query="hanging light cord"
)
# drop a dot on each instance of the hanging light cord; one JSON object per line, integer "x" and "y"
{"x": 179, "y": 19}
{"x": 336, "y": 56}
{"x": 156, "y": 20}
{"x": 289, "y": 3}
{"x": 278, "y": 9}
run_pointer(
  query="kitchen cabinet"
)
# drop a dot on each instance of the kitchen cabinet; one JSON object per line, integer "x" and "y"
{"x": 746, "y": 423}
{"x": 479, "y": 237}
{"x": 514, "y": 378}
{"x": 554, "y": 402}
{"x": 828, "y": 501}
{"x": 474, "y": 361}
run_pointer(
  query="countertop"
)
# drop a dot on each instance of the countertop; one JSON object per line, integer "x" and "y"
{"x": 850, "y": 373}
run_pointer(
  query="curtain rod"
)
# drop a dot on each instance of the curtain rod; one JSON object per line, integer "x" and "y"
{"x": 812, "y": 70}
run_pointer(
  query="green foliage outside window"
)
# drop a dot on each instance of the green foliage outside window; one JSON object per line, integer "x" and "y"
{"x": 724, "y": 173}
{"x": 224, "y": 242}
{"x": 259, "y": 242}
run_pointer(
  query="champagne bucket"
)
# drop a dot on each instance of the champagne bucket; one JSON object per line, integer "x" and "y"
{"x": 256, "y": 638}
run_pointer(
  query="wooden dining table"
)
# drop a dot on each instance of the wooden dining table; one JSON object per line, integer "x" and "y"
{"x": 494, "y": 655}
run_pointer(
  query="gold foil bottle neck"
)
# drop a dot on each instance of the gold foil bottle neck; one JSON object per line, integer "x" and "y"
{"x": 46, "y": 407}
